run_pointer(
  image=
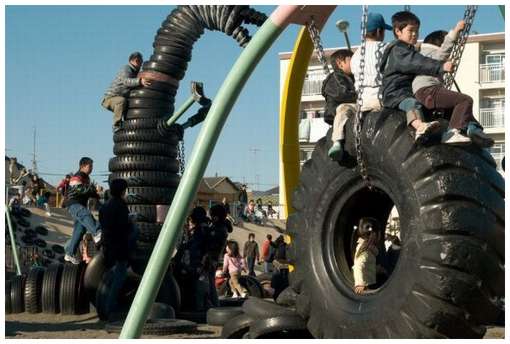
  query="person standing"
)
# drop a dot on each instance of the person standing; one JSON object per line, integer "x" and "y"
{"x": 233, "y": 263}
{"x": 62, "y": 188}
{"x": 268, "y": 251}
{"x": 78, "y": 193}
{"x": 243, "y": 199}
{"x": 115, "y": 98}
{"x": 251, "y": 253}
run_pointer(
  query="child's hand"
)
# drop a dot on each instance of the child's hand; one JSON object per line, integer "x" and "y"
{"x": 448, "y": 66}
{"x": 359, "y": 289}
{"x": 460, "y": 26}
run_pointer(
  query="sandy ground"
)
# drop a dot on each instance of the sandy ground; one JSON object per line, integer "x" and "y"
{"x": 59, "y": 326}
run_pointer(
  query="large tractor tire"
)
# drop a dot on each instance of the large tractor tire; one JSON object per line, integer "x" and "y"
{"x": 449, "y": 278}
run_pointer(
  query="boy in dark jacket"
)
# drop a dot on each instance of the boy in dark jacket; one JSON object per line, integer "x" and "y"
{"x": 340, "y": 94}
{"x": 119, "y": 235}
{"x": 400, "y": 64}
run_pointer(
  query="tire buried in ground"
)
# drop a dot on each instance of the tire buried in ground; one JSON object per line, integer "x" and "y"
{"x": 8, "y": 303}
{"x": 18, "y": 294}
{"x": 51, "y": 289}
{"x": 33, "y": 290}
{"x": 72, "y": 298}
{"x": 450, "y": 269}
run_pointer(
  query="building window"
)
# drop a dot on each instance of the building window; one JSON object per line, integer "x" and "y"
{"x": 493, "y": 70}
{"x": 492, "y": 112}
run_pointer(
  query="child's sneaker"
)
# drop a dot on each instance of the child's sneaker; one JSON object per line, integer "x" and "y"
{"x": 71, "y": 259}
{"x": 97, "y": 237}
{"x": 454, "y": 137}
{"x": 244, "y": 295}
{"x": 425, "y": 129}
{"x": 336, "y": 151}
{"x": 235, "y": 295}
{"x": 478, "y": 137}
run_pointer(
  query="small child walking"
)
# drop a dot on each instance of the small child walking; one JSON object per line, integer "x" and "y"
{"x": 233, "y": 263}
{"x": 365, "y": 266}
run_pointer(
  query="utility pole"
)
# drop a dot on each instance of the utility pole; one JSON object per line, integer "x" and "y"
{"x": 254, "y": 151}
{"x": 34, "y": 161}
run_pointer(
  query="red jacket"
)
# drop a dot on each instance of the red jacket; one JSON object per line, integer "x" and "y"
{"x": 265, "y": 249}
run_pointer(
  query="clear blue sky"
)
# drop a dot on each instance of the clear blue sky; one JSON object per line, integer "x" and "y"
{"x": 60, "y": 60}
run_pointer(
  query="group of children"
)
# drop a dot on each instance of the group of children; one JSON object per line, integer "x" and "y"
{"x": 396, "y": 75}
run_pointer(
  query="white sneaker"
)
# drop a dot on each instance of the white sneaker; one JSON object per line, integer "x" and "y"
{"x": 454, "y": 137}
{"x": 244, "y": 295}
{"x": 97, "y": 237}
{"x": 426, "y": 129}
{"x": 235, "y": 295}
{"x": 72, "y": 259}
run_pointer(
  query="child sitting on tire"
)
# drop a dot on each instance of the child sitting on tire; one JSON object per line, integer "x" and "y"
{"x": 365, "y": 266}
{"x": 340, "y": 94}
{"x": 233, "y": 263}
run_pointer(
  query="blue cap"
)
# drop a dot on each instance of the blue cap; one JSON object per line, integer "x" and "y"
{"x": 376, "y": 21}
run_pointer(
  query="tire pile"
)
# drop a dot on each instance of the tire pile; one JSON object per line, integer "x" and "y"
{"x": 55, "y": 289}
{"x": 145, "y": 148}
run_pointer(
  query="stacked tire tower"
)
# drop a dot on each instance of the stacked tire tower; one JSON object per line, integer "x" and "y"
{"x": 145, "y": 148}
{"x": 449, "y": 280}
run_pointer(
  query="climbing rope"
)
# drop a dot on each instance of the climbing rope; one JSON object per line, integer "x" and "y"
{"x": 359, "y": 114}
{"x": 458, "y": 47}
{"x": 316, "y": 40}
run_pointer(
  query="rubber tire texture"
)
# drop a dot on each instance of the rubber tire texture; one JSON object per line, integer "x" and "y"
{"x": 148, "y": 178}
{"x": 261, "y": 309}
{"x": 18, "y": 294}
{"x": 8, "y": 303}
{"x": 41, "y": 230}
{"x": 194, "y": 316}
{"x": 287, "y": 297}
{"x": 58, "y": 249}
{"x": 33, "y": 290}
{"x": 94, "y": 272}
{"x": 145, "y": 148}
{"x": 144, "y": 135}
{"x": 220, "y": 315}
{"x": 141, "y": 162}
{"x": 290, "y": 326}
{"x": 157, "y": 326}
{"x": 51, "y": 289}
{"x": 236, "y": 327}
{"x": 147, "y": 113}
{"x": 146, "y": 213}
{"x": 149, "y": 195}
{"x": 449, "y": 268}
{"x": 72, "y": 298}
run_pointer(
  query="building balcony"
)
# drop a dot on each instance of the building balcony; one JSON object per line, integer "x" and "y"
{"x": 312, "y": 87}
{"x": 492, "y": 73}
{"x": 492, "y": 118}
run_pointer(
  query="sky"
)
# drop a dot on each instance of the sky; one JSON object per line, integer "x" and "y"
{"x": 59, "y": 60}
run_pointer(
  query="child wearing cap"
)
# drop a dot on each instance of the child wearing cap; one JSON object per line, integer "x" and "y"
{"x": 374, "y": 49}
{"x": 400, "y": 64}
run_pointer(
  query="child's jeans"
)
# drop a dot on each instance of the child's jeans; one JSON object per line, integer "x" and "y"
{"x": 343, "y": 113}
{"x": 438, "y": 97}
{"x": 412, "y": 108}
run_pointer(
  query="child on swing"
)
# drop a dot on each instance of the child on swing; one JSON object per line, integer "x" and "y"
{"x": 340, "y": 94}
{"x": 365, "y": 266}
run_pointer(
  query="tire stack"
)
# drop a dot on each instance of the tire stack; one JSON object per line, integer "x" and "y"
{"x": 145, "y": 148}
{"x": 52, "y": 290}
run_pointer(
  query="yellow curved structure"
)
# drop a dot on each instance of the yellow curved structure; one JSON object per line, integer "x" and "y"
{"x": 289, "y": 109}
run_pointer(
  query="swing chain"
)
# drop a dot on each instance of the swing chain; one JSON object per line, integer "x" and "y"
{"x": 316, "y": 40}
{"x": 180, "y": 157}
{"x": 359, "y": 102}
{"x": 458, "y": 47}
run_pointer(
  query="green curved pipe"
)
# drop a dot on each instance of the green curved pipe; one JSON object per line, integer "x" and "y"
{"x": 200, "y": 156}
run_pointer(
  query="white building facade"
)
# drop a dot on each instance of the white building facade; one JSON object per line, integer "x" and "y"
{"x": 481, "y": 75}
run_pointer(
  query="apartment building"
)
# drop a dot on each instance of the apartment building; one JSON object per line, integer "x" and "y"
{"x": 481, "y": 75}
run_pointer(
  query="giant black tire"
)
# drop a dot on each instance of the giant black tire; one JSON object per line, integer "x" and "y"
{"x": 152, "y": 94}
{"x": 148, "y": 113}
{"x": 94, "y": 272}
{"x": 18, "y": 294}
{"x": 145, "y": 212}
{"x": 450, "y": 273}
{"x": 145, "y": 148}
{"x": 141, "y": 162}
{"x": 149, "y": 195}
{"x": 148, "y": 178}
{"x": 72, "y": 298}
{"x": 220, "y": 315}
{"x": 144, "y": 135}
{"x": 147, "y": 103}
{"x": 236, "y": 327}
{"x": 51, "y": 289}
{"x": 280, "y": 327}
{"x": 33, "y": 290}
{"x": 8, "y": 303}
{"x": 141, "y": 123}
{"x": 170, "y": 69}
{"x": 148, "y": 232}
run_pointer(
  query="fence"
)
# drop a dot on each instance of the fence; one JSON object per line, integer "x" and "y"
{"x": 492, "y": 72}
{"x": 492, "y": 117}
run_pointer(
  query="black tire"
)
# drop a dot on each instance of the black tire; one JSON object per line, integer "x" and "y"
{"x": 48, "y": 253}
{"x": 148, "y": 178}
{"x": 22, "y": 222}
{"x": 252, "y": 285}
{"x": 145, "y": 213}
{"x": 157, "y": 326}
{"x": 162, "y": 87}
{"x": 220, "y": 315}
{"x": 199, "y": 317}
{"x": 148, "y": 232}
{"x": 236, "y": 327}
{"x": 94, "y": 272}
{"x": 230, "y": 302}
{"x": 147, "y": 103}
{"x": 40, "y": 243}
{"x": 18, "y": 294}
{"x": 33, "y": 290}
{"x": 58, "y": 249}
{"x": 31, "y": 233}
{"x": 144, "y": 135}
{"x": 141, "y": 123}
{"x": 450, "y": 267}
{"x": 51, "y": 289}
{"x": 166, "y": 68}
{"x": 41, "y": 230}
{"x": 287, "y": 297}
{"x": 149, "y": 195}
{"x": 261, "y": 309}
{"x": 148, "y": 113}
{"x": 141, "y": 162}
{"x": 160, "y": 310}
{"x": 288, "y": 327}
{"x": 8, "y": 303}
{"x": 165, "y": 57}
{"x": 152, "y": 94}
{"x": 101, "y": 296}
{"x": 25, "y": 212}
{"x": 145, "y": 148}
{"x": 27, "y": 240}
{"x": 71, "y": 296}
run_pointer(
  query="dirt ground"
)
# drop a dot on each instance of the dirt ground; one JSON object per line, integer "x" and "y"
{"x": 39, "y": 326}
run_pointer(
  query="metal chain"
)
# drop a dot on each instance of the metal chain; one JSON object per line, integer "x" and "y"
{"x": 181, "y": 157}
{"x": 316, "y": 40}
{"x": 359, "y": 114}
{"x": 458, "y": 47}
{"x": 378, "y": 77}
